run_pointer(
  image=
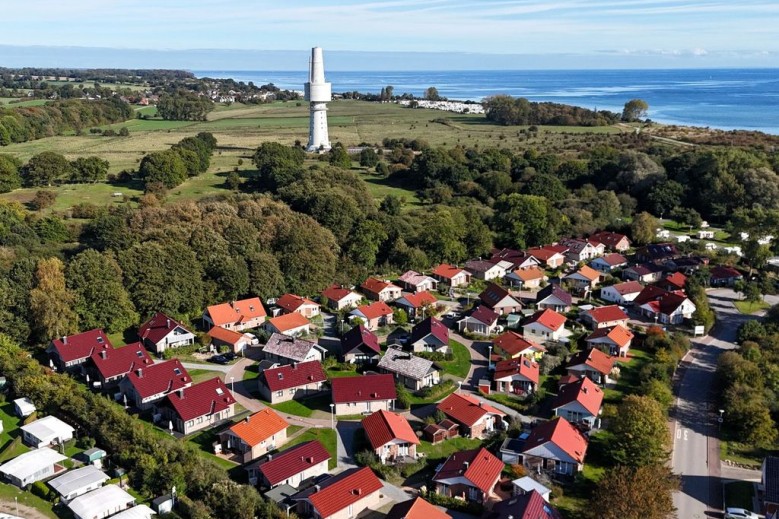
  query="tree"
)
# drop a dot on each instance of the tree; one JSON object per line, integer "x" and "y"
{"x": 277, "y": 165}
{"x": 43, "y": 200}
{"x": 400, "y": 317}
{"x": 643, "y": 228}
{"x": 431, "y": 94}
{"x": 51, "y": 303}
{"x": 525, "y": 220}
{"x": 665, "y": 196}
{"x": 233, "y": 181}
{"x": 634, "y": 110}
{"x": 339, "y": 157}
{"x": 391, "y": 205}
{"x": 634, "y": 493}
{"x": 166, "y": 167}
{"x": 10, "y": 177}
{"x": 101, "y": 300}
{"x": 89, "y": 169}
{"x": 640, "y": 432}
{"x": 184, "y": 106}
{"x": 369, "y": 158}
{"x": 46, "y": 167}
{"x": 756, "y": 254}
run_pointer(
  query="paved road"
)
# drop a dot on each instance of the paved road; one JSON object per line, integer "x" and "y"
{"x": 695, "y": 454}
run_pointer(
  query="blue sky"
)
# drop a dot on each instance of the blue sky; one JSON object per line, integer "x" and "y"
{"x": 588, "y": 32}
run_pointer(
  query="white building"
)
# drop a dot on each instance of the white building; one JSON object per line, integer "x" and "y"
{"x": 318, "y": 93}
{"x": 78, "y": 482}
{"x": 33, "y": 466}
{"x": 101, "y": 503}
{"x": 48, "y": 430}
{"x": 23, "y": 407}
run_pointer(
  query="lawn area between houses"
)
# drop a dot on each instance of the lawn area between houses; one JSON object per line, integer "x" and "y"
{"x": 743, "y": 454}
{"x": 201, "y": 375}
{"x": 326, "y": 437}
{"x": 739, "y": 494}
{"x": 9, "y": 492}
{"x": 304, "y": 407}
{"x": 460, "y": 364}
{"x": 750, "y": 307}
{"x": 446, "y": 448}
{"x": 628, "y": 376}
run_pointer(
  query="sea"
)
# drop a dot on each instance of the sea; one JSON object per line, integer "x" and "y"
{"x": 728, "y": 99}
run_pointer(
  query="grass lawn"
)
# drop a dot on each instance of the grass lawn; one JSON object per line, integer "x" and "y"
{"x": 750, "y": 307}
{"x": 460, "y": 365}
{"x": 251, "y": 372}
{"x": 508, "y": 401}
{"x": 9, "y": 492}
{"x": 199, "y": 375}
{"x": 743, "y": 454}
{"x": 628, "y": 378}
{"x": 446, "y": 448}
{"x": 326, "y": 437}
{"x": 13, "y": 449}
{"x": 304, "y": 407}
{"x": 204, "y": 441}
{"x": 439, "y": 392}
{"x": 337, "y": 372}
{"x": 739, "y": 494}
{"x": 11, "y": 425}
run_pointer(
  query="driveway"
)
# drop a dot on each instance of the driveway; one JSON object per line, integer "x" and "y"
{"x": 345, "y": 439}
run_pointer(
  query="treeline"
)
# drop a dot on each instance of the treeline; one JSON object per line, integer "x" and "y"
{"x": 167, "y": 169}
{"x": 510, "y": 111}
{"x": 184, "y": 106}
{"x": 12, "y": 77}
{"x": 24, "y": 124}
{"x": 155, "y": 463}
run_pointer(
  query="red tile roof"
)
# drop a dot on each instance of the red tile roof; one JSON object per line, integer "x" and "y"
{"x": 375, "y": 310}
{"x": 225, "y": 335}
{"x": 561, "y": 433}
{"x": 628, "y": 287}
{"x": 724, "y": 272}
{"x": 620, "y": 335}
{"x": 236, "y": 311}
{"x": 614, "y": 259}
{"x": 287, "y": 322}
{"x": 677, "y": 280}
{"x": 548, "y": 318}
{"x": 604, "y": 314}
{"x": 345, "y": 489}
{"x": 588, "y": 273}
{"x": 293, "y": 375}
{"x": 336, "y": 292}
{"x": 466, "y": 409}
{"x": 158, "y": 327}
{"x": 595, "y": 359}
{"x": 364, "y": 388}
{"x": 649, "y": 293}
{"x": 204, "y": 398}
{"x": 485, "y": 315}
{"x": 584, "y": 391}
{"x": 430, "y": 326}
{"x": 420, "y": 299}
{"x": 513, "y": 343}
{"x": 526, "y": 506}
{"x": 357, "y": 337}
{"x": 159, "y": 378}
{"x": 259, "y": 427}
{"x": 291, "y": 302}
{"x": 81, "y": 345}
{"x": 609, "y": 239}
{"x": 482, "y": 470}
{"x": 530, "y": 273}
{"x": 447, "y": 271}
{"x": 375, "y": 286}
{"x": 294, "y": 460}
{"x": 112, "y": 362}
{"x": 383, "y": 427}
{"x": 522, "y": 366}
{"x": 416, "y": 508}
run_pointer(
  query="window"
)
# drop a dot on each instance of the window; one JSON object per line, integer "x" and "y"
{"x": 279, "y": 393}
{"x": 177, "y": 371}
{"x": 292, "y": 391}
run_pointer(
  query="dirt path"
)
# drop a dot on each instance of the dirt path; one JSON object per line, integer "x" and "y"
{"x": 24, "y": 511}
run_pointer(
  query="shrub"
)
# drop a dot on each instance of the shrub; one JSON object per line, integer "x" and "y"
{"x": 43, "y": 199}
{"x": 40, "y": 489}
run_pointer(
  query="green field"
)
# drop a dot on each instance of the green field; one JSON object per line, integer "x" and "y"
{"x": 749, "y": 307}
{"x": 460, "y": 364}
{"x": 326, "y": 436}
{"x": 240, "y": 128}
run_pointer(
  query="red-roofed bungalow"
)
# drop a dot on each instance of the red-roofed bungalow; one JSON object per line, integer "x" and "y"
{"x": 363, "y": 394}
{"x": 199, "y": 406}
{"x": 390, "y": 436}
{"x": 292, "y": 381}
{"x": 475, "y": 417}
{"x": 291, "y": 466}
{"x": 469, "y": 475}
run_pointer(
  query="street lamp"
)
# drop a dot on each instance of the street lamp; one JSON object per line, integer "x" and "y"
{"x": 342, "y": 326}
{"x": 489, "y": 357}
{"x": 232, "y": 386}
{"x": 720, "y": 419}
{"x": 16, "y": 502}
{"x": 459, "y": 386}
{"x": 332, "y": 416}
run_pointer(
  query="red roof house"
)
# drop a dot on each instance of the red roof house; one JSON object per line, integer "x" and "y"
{"x": 470, "y": 475}
{"x": 379, "y": 290}
{"x": 236, "y": 315}
{"x": 390, "y": 435}
{"x": 545, "y": 325}
{"x": 256, "y": 435}
{"x": 579, "y": 402}
{"x": 360, "y": 346}
{"x": 414, "y": 304}
{"x": 606, "y": 317}
{"x": 499, "y": 300}
{"x": 612, "y": 240}
{"x": 519, "y": 376}
{"x": 451, "y": 275}
{"x": 512, "y": 345}
{"x": 616, "y": 340}
{"x": 476, "y": 418}
{"x": 146, "y": 385}
{"x": 292, "y": 381}
{"x": 291, "y": 303}
{"x": 555, "y": 445}
{"x": 288, "y": 324}
{"x": 236, "y": 341}
{"x": 374, "y": 315}
{"x": 363, "y": 394}
{"x": 162, "y": 332}
{"x": 354, "y": 490}
{"x": 71, "y": 352}
{"x": 199, "y": 406}
{"x": 112, "y": 364}
{"x": 293, "y": 465}
{"x": 416, "y": 508}
{"x": 530, "y": 505}
{"x": 339, "y": 297}
{"x": 430, "y": 335}
{"x": 593, "y": 364}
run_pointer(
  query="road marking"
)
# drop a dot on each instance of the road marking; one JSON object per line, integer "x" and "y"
{"x": 681, "y": 433}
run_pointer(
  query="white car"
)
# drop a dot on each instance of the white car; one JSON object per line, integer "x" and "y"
{"x": 739, "y": 513}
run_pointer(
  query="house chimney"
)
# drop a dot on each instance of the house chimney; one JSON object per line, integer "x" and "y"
{"x": 181, "y": 393}
{"x": 167, "y": 323}
{"x": 64, "y": 339}
{"x": 481, "y": 403}
{"x": 466, "y": 465}
{"x": 357, "y": 491}
{"x": 310, "y": 459}
{"x": 294, "y": 365}
{"x": 103, "y": 354}
{"x": 270, "y": 457}
{"x": 139, "y": 372}
{"x": 247, "y": 419}
{"x": 317, "y": 487}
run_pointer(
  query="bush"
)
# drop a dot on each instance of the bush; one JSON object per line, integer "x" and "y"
{"x": 454, "y": 504}
{"x": 404, "y": 397}
{"x": 43, "y": 200}
{"x": 40, "y": 489}
{"x": 84, "y": 210}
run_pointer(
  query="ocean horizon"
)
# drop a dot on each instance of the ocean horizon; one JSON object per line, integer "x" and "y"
{"x": 727, "y": 99}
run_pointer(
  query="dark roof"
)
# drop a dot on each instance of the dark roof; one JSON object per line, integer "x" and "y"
{"x": 294, "y": 460}
{"x": 493, "y": 294}
{"x": 360, "y": 338}
{"x": 484, "y": 315}
{"x": 363, "y": 388}
{"x": 81, "y": 345}
{"x": 203, "y": 398}
{"x": 158, "y": 327}
{"x": 111, "y": 362}
{"x": 159, "y": 378}
{"x": 771, "y": 482}
{"x": 429, "y": 326}
{"x": 293, "y": 375}
{"x": 646, "y": 269}
{"x": 553, "y": 289}
{"x": 479, "y": 466}
{"x": 526, "y": 506}
{"x": 344, "y": 489}
{"x": 723, "y": 272}
{"x": 609, "y": 239}
{"x": 656, "y": 251}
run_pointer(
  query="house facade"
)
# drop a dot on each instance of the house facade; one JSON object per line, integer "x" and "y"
{"x": 451, "y": 275}
{"x": 469, "y": 475}
{"x": 555, "y": 446}
{"x": 390, "y": 436}
{"x": 360, "y": 346}
{"x": 476, "y": 418}
{"x": 291, "y": 466}
{"x": 162, "y": 332}
{"x": 198, "y": 407}
{"x": 593, "y": 364}
{"x": 612, "y": 240}
{"x": 580, "y": 403}
{"x": 615, "y": 340}
{"x": 414, "y": 304}
{"x": 430, "y": 335}
{"x": 374, "y": 315}
{"x": 413, "y": 372}
{"x": 499, "y": 300}
{"x": 545, "y": 325}
{"x": 256, "y": 435}
{"x": 292, "y": 303}
{"x": 363, "y": 394}
{"x": 110, "y": 365}
{"x": 292, "y": 324}
{"x": 481, "y": 321}
{"x": 486, "y": 270}
{"x": 292, "y": 381}
{"x": 511, "y": 345}
{"x": 378, "y": 290}
{"x": 71, "y": 352}
{"x": 344, "y": 496}
{"x": 285, "y": 349}
{"x": 145, "y": 386}
{"x": 338, "y": 297}
{"x": 415, "y": 282}
{"x": 516, "y": 376}
{"x": 527, "y": 278}
{"x": 236, "y": 315}
{"x": 605, "y": 317}
{"x": 553, "y": 297}
{"x": 621, "y": 293}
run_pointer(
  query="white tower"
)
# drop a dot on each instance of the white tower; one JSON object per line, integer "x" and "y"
{"x": 318, "y": 93}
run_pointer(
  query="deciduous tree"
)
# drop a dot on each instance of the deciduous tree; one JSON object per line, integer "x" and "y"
{"x": 51, "y": 303}
{"x": 640, "y": 432}
{"x": 634, "y": 110}
{"x": 634, "y": 493}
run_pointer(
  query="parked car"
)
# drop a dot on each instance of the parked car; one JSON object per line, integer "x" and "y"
{"x": 218, "y": 359}
{"x": 229, "y": 356}
{"x": 740, "y": 513}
